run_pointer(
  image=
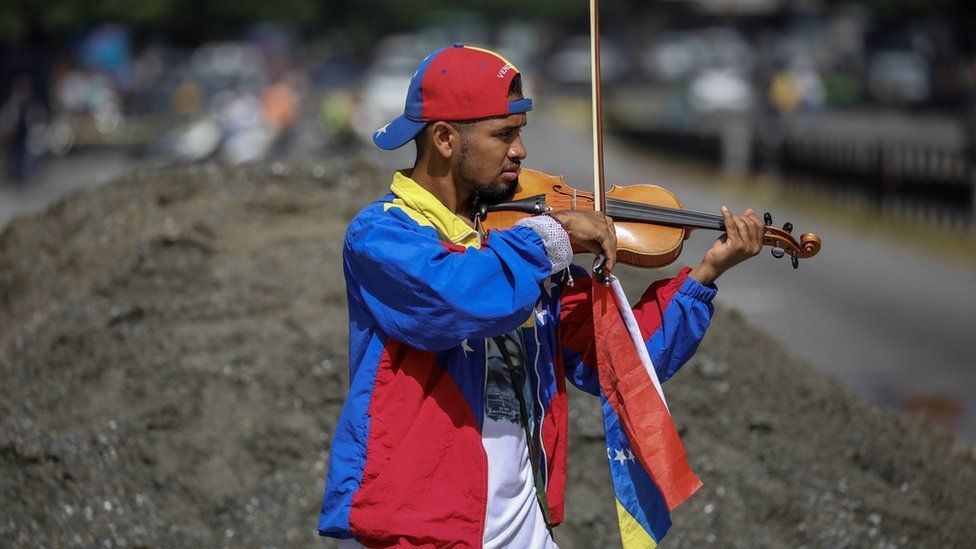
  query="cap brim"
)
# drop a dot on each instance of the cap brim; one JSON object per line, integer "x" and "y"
{"x": 518, "y": 106}
{"x": 396, "y": 134}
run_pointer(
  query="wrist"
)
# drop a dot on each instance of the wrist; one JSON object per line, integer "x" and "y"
{"x": 705, "y": 273}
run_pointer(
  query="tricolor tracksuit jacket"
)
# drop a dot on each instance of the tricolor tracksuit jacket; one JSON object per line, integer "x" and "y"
{"x": 407, "y": 465}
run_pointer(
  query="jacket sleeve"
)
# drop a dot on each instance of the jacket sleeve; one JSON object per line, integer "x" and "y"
{"x": 431, "y": 295}
{"x": 673, "y": 315}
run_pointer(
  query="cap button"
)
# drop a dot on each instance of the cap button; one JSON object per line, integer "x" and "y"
{"x": 459, "y": 44}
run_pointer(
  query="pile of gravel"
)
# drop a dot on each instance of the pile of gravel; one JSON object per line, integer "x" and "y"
{"x": 173, "y": 356}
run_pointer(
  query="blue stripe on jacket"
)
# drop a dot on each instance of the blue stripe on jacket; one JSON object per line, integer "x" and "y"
{"x": 431, "y": 298}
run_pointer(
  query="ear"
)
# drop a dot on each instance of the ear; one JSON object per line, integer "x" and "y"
{"x": 444, "y": 139}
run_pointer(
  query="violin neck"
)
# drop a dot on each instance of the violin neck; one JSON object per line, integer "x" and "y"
{"x": 623, "y": 210}
{"x": 619, "y": 210}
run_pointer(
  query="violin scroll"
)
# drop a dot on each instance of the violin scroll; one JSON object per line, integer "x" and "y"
{"x": 783, "y": 242}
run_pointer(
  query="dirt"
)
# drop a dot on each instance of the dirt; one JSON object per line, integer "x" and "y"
{"x": 173, "y": 360}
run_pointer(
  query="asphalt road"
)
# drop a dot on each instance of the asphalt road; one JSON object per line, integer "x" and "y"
{"x": 58, "y": 176}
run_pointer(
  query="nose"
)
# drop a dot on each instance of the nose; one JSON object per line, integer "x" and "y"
{"x": 517, "y": 150}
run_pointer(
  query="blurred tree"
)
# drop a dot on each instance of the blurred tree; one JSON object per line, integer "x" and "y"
{"x": 187, "y": 18}
{"x": 193, "y": 20}
{"x": 914, "y": 8}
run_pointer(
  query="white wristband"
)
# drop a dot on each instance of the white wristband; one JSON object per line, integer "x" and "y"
{"x": 554, "y": 238}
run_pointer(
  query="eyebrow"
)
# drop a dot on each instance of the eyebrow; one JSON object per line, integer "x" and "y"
{"x": 512, "y": 126}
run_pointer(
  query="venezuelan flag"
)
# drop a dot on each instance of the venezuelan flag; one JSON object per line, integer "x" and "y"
{"x": 648, "y": 463}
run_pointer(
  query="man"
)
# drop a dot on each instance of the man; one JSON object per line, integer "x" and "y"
{"x": 454, "y": 430}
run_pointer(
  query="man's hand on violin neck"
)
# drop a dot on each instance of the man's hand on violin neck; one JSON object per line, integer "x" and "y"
{"x": 591, "y": 231}
{"x": 743, "y": 239}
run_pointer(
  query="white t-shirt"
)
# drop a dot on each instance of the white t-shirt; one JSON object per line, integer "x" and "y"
{"x": 514, "y": 518}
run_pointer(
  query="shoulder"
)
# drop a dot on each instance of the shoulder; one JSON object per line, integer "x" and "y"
{"x": 387, "y": 211}
{"x": 385, "y": 218}
{"x": 371, "y": 213}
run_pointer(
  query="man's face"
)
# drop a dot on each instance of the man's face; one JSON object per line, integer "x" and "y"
{"x": 490, "y": 158}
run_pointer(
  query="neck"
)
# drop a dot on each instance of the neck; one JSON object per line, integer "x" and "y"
{"x": 436, "y": 177}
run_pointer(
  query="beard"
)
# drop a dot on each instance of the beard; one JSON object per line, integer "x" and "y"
{"x": 487, "y": 192}
{"x": 495, "y": 193}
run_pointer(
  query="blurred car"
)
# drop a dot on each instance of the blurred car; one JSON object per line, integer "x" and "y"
{"x": 898, "y": 77}
{"x": 570, "y": 65}
{"x": 672, "y": 58}
{"x": 678, "y": 56}
{"x": 715, "y": 91}
{"x": 227, "y": 65}
{"x": 193, "y": 141}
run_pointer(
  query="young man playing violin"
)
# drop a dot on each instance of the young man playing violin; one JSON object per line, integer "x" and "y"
{"x": 455, "y": 427}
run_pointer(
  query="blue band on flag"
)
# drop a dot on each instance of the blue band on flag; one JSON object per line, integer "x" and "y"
{"x": 633, "y": 487}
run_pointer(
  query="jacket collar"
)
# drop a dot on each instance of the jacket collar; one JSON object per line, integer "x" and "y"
{"x": 450, "y": 227}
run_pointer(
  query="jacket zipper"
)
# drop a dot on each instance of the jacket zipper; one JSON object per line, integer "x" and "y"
{"x": 542, "y": 410}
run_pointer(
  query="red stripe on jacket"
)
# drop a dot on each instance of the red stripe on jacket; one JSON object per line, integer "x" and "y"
{"x": 555, "y": 427}
{"x": 423, "y": 445}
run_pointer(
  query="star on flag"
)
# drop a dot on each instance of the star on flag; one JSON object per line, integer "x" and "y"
{"x": 620, "y": 455}
{"x": 466, "y": 348}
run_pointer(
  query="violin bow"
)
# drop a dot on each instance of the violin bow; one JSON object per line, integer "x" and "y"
{"x": 599, "y": 199}
{"x": 599, "y": 196}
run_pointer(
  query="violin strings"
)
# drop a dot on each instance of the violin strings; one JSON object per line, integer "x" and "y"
{"x": 656, "y": 214}
{"x": 667, "y": 211}
{"x": 681, "y": 221}
{"x": 623, "y": 211}
{"x": 633, "y": 206}
{"x": 665, "y": 215}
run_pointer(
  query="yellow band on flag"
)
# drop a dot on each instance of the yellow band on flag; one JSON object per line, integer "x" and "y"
{"x": 632, "y": 534}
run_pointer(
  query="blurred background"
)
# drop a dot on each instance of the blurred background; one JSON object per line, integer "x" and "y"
{"x": 853, "y": 120}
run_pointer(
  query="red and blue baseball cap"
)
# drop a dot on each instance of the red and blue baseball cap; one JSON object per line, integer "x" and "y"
{"x": 459, "y": 83}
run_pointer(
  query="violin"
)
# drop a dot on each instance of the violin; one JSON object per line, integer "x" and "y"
{"x": 651, "y": 226}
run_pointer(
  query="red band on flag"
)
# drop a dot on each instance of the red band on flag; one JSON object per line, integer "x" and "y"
{"x": 643, "y": 415}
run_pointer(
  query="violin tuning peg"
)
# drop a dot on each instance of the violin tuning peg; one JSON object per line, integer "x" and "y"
{"x": 796, "y": 261}
{"x": 767, "y": 219}
{"x": 788, "y": 227}
{"x": 778, "y": 252}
